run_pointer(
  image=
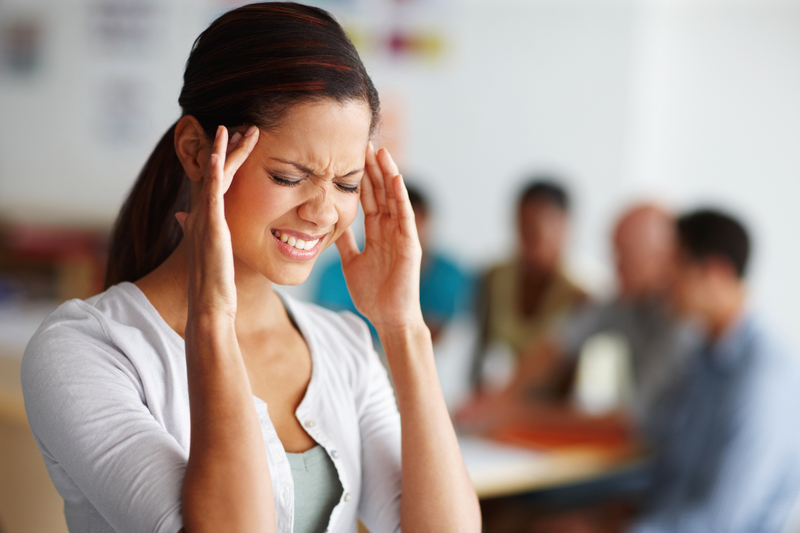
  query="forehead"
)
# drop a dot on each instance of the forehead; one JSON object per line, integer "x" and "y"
{"x": 321, "y": 135}
{"x": 540, "y": 209}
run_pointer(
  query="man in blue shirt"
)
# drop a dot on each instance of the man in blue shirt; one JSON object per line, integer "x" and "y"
{"x": 728, "y": 438}
{"x": 445, "y": 290}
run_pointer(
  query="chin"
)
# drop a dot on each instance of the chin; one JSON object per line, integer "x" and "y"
{"x": 290, "y": 276}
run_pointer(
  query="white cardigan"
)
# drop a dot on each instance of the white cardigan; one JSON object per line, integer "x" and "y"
{"x": 107, "y": 398}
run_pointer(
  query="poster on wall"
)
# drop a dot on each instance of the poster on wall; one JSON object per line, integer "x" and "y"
{"x": 125, "y": 43}
{"x": 125, "y": 28}
{"x": 21, "y": 45}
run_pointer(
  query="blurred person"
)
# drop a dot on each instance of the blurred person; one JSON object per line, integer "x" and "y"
{"x": 644, "y": 241}
{"x": 522, "y": 299}
{"x": 190, "y": 395}
{"x": 727, "y": 439}
{"x": 445, "y": 289}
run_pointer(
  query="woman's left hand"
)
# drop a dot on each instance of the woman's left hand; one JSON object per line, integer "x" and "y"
{"x": 384, "y": 279}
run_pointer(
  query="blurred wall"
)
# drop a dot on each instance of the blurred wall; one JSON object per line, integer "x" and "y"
{"x": 693, "y": 102}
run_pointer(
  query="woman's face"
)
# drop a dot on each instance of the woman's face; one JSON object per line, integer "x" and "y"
{"x": 298, "y": 190}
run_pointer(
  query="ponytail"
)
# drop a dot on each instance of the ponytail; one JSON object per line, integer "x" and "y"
{"x": 146, "y": 231}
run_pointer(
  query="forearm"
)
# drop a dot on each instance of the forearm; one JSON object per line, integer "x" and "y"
{"x": 437, "y": 491}
{"x": 227, "y": 486}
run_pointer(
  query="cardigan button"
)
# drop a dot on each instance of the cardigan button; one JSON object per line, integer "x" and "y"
{"x": 347, "y": 496}
{"x": 309, "y": 423}
{"x": 334, "y": 454}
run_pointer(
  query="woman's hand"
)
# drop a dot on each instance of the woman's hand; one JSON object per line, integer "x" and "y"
{"x": 208, "y": 239}
{"x": 384, "y": 279}
{"x": 226, "y": 486}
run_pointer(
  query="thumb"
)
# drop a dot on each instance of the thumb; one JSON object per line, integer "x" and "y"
{"x": 346, "y": 244}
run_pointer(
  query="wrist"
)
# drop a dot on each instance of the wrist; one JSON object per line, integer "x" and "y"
{"x": 408, "y": 331}
{"x": 212, "y": 324}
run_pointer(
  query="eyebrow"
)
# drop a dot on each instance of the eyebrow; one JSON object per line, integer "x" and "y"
{"x": 309, "y": 171}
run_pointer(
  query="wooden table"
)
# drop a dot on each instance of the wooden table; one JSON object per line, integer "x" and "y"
{"x": 525, "y": 447}
{"x": 499, "y": 469}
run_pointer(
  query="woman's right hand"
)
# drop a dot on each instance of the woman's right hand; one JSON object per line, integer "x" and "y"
{"x": 208, "y": 240}
{"x": 226, "y": 485}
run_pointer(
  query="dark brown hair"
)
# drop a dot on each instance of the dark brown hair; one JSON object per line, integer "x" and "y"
{"x": 249, "y": 67}
{"x": 711, "y": 233}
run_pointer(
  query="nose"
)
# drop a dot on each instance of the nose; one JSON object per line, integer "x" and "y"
{"x": 319, "y": 208}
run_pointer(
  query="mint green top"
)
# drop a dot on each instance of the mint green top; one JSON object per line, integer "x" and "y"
{"x": 317, "y": 489}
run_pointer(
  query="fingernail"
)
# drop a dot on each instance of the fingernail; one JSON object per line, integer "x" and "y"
{"x": 235, "y": 138}
{"x": 219, "y": 130}
{"x": 251, "y": 130}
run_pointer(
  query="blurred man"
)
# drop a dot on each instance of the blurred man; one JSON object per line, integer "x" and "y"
{"x": 644, "y": 247}
{"x": 523, "y": 298}
{"x": 728, "y": 438}
{"x": 445, "y": 289}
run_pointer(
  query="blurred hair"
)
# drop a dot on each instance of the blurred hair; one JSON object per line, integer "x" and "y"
{"x": 544, "y": 189}
{"x": 708, "y": 233}
{"x": 417, "y": 199}
{"x": 249, "y": 67}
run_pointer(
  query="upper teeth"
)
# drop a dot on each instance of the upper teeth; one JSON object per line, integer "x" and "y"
{"x": 300, "y": 244}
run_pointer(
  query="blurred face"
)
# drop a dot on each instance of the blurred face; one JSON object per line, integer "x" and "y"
{"x": 644, "y": 264}
{"x": 693, "y": 286}
{"x": 542, "y": 230}
{"x": 298, "y": 190}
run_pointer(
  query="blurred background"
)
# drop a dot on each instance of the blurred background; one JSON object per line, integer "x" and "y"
{"x": 690, "y": 102}
{"x": 687, "y": 102}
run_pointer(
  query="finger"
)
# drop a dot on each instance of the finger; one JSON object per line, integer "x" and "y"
{"x": 378, "y": 185}
{"x": 388, "y": 166}
{"x": 239, "y": 152}
{"x": 388, "y": 170}
{"x": 368, "y": 201}
{"x": 233, "y": 141}
{"x": 405, "y": 213}
{"x": 216, "y": 163}
{"x": 347, "y": 246}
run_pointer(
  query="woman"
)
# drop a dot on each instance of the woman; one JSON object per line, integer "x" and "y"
{"x": 189, "y": 394}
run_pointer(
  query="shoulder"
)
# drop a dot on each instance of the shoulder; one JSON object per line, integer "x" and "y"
{"x": 568, "y": 286}
{"x": 500, "y": 269}
{"x": 765, "y": 374}
{"x": 96, "y": 317}
{"x": 499, "y": 274}
{"x": 72, "y": 320}
{"x": 89, "y": 334}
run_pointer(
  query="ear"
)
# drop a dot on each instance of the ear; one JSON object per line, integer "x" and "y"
{"x": 192, "y": 147}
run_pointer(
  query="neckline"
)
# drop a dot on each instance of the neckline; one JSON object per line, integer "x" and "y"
{"x": 288, "y": 304}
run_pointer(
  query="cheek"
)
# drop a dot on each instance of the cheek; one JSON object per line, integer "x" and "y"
{"x": 252, "y": 203}
{"x": 348, "y": 209}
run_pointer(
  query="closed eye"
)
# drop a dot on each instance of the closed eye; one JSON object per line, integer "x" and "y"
{"x": 283, "y": 181}
{"x": 347, "y": 188}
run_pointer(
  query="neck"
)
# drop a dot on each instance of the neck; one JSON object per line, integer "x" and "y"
{"x": 167, "y": 288}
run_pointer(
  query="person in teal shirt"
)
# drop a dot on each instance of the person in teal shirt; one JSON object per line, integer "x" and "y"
{"x": 445, "y": 289}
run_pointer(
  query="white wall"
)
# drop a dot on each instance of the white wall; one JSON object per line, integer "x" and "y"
{"x": 695, "y": 102}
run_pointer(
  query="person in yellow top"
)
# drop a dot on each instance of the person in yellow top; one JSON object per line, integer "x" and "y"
{"x": 521, "y": 299}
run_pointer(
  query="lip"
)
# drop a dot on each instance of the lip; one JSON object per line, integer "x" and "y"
{"x": 293, "y": 253}
{"x": 298, "y": 234}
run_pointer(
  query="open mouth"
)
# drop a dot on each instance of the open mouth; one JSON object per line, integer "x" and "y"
{"x": 293, "y": 241}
